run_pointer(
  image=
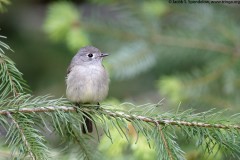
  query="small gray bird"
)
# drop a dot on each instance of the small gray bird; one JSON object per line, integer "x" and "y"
{"x": 87, "y": 80}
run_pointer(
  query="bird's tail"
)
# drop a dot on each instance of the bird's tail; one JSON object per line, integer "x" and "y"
{"x": 88, "y": 126}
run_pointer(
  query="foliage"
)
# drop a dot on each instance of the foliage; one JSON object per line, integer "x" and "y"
{"x": 3, "y": 3}
{"x": 12, "y": 81}
{"x": 63, "y": 24}
{"x": 130, "y": 58}
{"x": 159, "y": 129}
{"x": 166, "y": 39}
{"x": 144, "y": 44}
{"x": 215, "y": 84}
{"x": 24, "y": 116}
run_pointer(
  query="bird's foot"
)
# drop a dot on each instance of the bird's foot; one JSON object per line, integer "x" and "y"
{"x": 77, "y": 106}
{"x": 98, "y": 106}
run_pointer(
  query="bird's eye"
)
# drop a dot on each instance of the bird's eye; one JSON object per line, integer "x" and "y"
{"x": 90, "y": 55}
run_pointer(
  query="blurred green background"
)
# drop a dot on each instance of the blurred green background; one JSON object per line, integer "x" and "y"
{"x": 187, "y": 54}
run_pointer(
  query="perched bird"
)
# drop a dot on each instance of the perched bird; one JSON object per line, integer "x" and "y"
{"x": 87, "y": 80}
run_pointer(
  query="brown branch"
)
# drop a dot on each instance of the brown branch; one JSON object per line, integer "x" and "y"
{"x": 122, "y": 115}
{"x": 169, "y": 121}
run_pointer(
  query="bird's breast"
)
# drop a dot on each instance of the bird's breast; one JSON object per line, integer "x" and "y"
{"x": 87, "y": 84}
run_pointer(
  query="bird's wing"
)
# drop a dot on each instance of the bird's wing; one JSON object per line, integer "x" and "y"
{"x": 69, "y": 68}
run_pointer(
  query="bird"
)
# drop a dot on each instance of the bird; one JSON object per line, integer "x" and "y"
{"x": 87, "y": 80}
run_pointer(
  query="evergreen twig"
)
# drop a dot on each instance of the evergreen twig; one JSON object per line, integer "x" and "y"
{"x": 122, "y": 115}
{"x": 22, "y": 135}
{"x": 165, "y": 143}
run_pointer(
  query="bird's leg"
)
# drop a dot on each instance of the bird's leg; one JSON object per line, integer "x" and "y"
{"x": 98, "y": 106}
{"x": 77, "y": 106}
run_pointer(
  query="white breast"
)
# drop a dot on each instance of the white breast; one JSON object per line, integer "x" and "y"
{"x": 87, "y": 84}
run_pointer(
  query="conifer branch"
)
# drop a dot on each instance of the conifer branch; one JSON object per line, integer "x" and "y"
{"x": 193, "y": 43}
{"x": 22, "y": 135}
{"x": 172, "y": 41}
{"x": 124, "y": 115}
{"x": 11, "y": 78}
{"x": 165, "y": 143}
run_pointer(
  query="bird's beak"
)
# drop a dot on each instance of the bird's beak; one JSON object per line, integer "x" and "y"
{"x": 103, "y": 55}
